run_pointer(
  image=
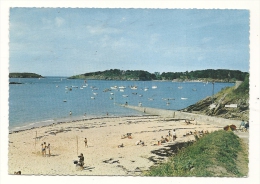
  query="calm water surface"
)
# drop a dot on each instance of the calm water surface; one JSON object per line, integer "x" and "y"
{"x": 45, "y": 101}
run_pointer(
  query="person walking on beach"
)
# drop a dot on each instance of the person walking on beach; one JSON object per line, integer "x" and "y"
{"x": 86, "y": 142}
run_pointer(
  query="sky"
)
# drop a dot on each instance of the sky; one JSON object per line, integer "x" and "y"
{"x": 71, "y": 41}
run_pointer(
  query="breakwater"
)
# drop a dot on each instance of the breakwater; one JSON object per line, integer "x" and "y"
{"x": 178, "y": 115}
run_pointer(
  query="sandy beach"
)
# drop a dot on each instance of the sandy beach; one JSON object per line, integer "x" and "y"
{"x": 102, "y": 155}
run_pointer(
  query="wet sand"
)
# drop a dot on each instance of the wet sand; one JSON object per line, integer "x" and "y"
{"x": 102, "y": 156}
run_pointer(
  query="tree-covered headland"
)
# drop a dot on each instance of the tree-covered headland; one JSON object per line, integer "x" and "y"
{"x": 219, "y": 75}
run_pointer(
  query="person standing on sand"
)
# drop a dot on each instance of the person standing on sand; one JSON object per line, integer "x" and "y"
{"x": 42, "y": 149}
{"x": 174, "y": 135}
{"x": 242, "y": 125}
{"x": 49, "y": 148}
{"x": 86, "y": 142}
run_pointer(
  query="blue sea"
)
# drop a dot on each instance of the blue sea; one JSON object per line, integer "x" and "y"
{"x": 49, "y": 100}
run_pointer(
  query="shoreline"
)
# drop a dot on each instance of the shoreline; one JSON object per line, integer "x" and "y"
{"x": 147, "y": 111}
{"x": 56, "y": 122}
{"x": 103, "y": 156}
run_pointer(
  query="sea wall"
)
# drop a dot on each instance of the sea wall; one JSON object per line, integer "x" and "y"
{"x": 178, "y": 115}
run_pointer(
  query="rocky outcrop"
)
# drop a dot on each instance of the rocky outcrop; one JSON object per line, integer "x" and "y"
{"x": 226, "y": 104}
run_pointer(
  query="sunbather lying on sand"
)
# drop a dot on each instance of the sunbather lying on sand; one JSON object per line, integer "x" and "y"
{"x": 140, "y": 143}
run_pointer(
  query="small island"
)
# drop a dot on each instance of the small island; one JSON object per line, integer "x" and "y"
{"x": 24, "y": 75}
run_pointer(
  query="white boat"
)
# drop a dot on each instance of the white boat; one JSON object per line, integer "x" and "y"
{"x": 145, "y": 89}
{"x": 125, "y": 95}
{"x": 95, "y": 94}
{"x": 154, "y": 87}
{"x": 111, "y": 93}
{"x": 121, "y": 90}
{"x": 133, "y": 87}
{"x": 113, "y": 87}
{"x": 81, "y": 88}
{"x": 121, "y": 87}
{"x": 180, "y": 87}
{"x": 184, "y": 98}
{"x": 92, "y": 97}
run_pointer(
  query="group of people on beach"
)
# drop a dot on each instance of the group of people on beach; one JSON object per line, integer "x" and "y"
{"x": 44, "y": 149}
{"x": 171, "y": 136}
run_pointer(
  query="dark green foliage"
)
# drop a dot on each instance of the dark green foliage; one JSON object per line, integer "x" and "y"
{"x": 209, "y": 75}
{"x": 244, "y": 87}
{"x": 214, "y": 154}
{"x": 24, "y": 75}
{"x": 220, "y": 74}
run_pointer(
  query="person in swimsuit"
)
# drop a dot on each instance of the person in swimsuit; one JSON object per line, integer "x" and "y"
{"x": 86, "y": 142}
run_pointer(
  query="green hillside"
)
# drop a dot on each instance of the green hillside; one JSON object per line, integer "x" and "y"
{"x": 230, "y": 95}
{"x": 218, "y": 154}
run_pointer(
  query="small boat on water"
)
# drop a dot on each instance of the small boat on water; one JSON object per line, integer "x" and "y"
{"x": 111, "y": 93}
{"x": 133, "y": 87}
{"x": 180, "y": 87}
{"x": 125, "y": 95}
{"x": 121, "y": 87}
{"x": 95, "y": 94}
{"x": 92, "y": 97}
{"x": 113, "y": 87}
{"x": 106, "y": 90}
{"x": 121, "y": 90}
{"x": 154, "y": 87}
{"x": 184, "y": 98}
